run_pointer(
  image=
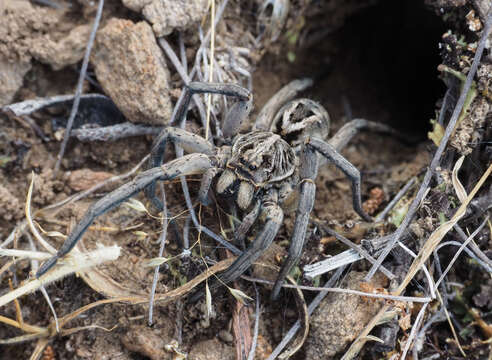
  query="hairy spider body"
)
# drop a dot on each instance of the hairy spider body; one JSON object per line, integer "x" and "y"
{"x": 266, "y": 171}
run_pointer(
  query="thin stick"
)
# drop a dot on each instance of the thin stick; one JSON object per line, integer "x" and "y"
{"x": 468, "y": 251}
{"x": 211, "y": 72}
{"x": 344, "y": 291}
{"x": 457, "y": 254}
{"x": 80, "y": 82}
{"x": 359, "y": 249}
{"x": 115, "y": 132}
{"x": 162, "y": 239}
{"x": 473, "y": 246}
{"x": 437, "y": 156}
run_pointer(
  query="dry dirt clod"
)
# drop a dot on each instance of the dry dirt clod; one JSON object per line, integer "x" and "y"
{"x": 132, "y": 70}
{"x": 10, "y": 207}
{"x": 11, "y": 77}
{"x": 211, "y": 350}
{"x": 340, "y": 318}
{"x": 21, "y": 24}
{"x": 147, "y": 342}
{"x": 167, "y": 15}
{"x": 67, "y": 51}
{"x": 376, "y": 197}
{"x": 83, "y": 179}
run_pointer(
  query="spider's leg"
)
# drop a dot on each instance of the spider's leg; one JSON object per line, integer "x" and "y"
{"x": 205, "y": 184}
{"x": 349, "y": 130}
{"x": 285, "y": 94}
{"x": 273, "y": 220}
{"x": 190, "y": 164}
{"x": 308, "y": 172}
{"x": 190, "y": 142}
{"x": 348, "y": 169}
{"x": 235, "y": 116}
{"x": 247, "y": 222}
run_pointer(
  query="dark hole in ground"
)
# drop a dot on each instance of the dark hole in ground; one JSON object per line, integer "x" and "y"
{"x": 383, "y": 62}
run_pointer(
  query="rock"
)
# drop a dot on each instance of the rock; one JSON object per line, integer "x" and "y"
{"x": 11, "y": 78}
{"x": 340, "y": 318}
{"x": 167, "y": 15}
{"x": 211, "y": 350}
{"x": 70, "y": 50}
{"x": 131, "y": 68}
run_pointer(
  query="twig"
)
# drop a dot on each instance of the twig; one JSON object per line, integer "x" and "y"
{"x": 343, "y": 291}
{"x": 442, "y": 145}
{"x": 29, "y": 106}
{"x": 468, "y": 251}
{"x": 114, "y": 132}
{"x": 473, "y": 246}
{"x": 359, "y": 249}
{"x": 212, "y": 60}
{"x": 80, "y": 82}
{"x": 32, "y": 124}
{"x": 395, "y": 200}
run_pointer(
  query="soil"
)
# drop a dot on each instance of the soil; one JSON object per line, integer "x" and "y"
{"x": 355, "y": 76}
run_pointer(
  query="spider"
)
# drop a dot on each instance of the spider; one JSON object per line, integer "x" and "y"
{"x": 264, "y": 173}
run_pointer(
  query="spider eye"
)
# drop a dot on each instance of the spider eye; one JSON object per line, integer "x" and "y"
{"x": 252, "y": 167}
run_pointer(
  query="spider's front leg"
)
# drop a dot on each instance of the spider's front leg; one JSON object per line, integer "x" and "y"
{"x": 187, "y": 165}
{"x": 333, "y": 156}
{"x": 237, "y": 113}
{"x": 308, "y": 172}
{"x": 190, "y": 142}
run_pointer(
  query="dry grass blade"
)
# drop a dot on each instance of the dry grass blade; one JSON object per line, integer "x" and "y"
{"x": 75, "y": 262}
{"x": 33, "y": 229}
{"x": 39, "y": 349}
{"x": 423, "y": 255}
{"x": 437, "y": 156}
{"x": 80, "y": 82}
{"x": 304, "y": 319}
{"x": 458, "y": 187}
{"x": 436, "y": 237}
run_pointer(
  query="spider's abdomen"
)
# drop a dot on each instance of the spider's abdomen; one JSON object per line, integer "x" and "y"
{"x": 262, "y": 157}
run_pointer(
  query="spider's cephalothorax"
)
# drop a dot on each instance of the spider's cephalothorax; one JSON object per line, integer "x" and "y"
{"x": 261, "y": 169}
{"x": 258, "y": 159}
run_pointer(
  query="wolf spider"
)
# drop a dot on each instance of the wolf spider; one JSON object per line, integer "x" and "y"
{"x": 264, "y": 172}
